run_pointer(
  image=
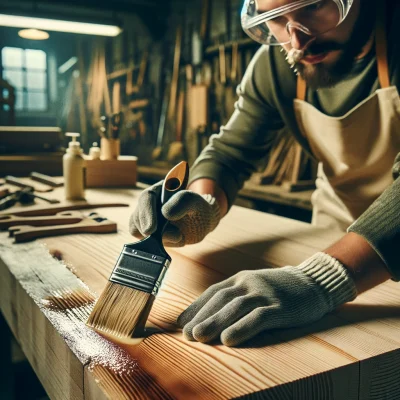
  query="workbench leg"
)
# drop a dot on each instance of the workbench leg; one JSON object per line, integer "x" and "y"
{"x": 6, "y": 366}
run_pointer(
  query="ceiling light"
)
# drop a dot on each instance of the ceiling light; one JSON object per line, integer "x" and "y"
{"x": 59, "y": 25}
{"x": 33, "y": 34}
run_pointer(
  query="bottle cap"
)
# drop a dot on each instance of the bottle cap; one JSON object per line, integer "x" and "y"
{"x": 74, "y": 147}
{"x": 73, "y": 143}
{"x": 94, "y": 151}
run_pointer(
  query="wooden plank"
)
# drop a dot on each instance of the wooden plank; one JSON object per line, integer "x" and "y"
{"x": 178, "y": 291}
{"x": 352, "y": 353}
{"x": 22, "y": 290}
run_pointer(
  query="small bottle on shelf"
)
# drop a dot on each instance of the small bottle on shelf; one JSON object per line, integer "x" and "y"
{"x": 94, "y": 152}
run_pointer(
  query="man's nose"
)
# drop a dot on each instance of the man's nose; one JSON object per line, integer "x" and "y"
{"x": 299, "y": 39}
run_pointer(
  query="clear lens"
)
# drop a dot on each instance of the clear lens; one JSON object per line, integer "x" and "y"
{"x": 275, "y": 26}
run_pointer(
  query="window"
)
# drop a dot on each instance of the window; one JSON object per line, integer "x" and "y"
{"x": 26, "y": 70}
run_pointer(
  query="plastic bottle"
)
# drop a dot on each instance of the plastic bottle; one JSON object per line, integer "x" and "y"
{"x": 74, "y": 169}
{"x": 95, "y": 152}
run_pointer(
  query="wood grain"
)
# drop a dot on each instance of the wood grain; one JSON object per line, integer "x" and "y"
{"x": 352, "y": 353}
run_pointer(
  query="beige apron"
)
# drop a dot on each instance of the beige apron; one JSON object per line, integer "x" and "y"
{"x": 356, "y": 151}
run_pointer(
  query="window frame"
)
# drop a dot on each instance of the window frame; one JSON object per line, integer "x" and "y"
{"x": 25, "y": 110}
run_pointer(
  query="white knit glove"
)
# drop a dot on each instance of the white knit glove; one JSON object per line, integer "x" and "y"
{"x": 192, "y": 216}
{"x": 250, "y": 302}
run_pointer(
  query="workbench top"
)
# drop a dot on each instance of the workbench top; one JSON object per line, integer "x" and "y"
{"x": 353, "y": 353}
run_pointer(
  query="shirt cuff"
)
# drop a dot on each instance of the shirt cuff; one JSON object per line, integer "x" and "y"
{"x": 380, "y": 227}
{"x": 207, "y": 169}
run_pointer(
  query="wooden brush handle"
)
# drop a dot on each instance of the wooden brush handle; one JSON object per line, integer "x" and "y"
{"x": 175, "y": 181}
{"x": 63, "y": 218}
{"x": 27, "y": 233}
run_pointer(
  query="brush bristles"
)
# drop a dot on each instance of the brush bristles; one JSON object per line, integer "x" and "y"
{"x": 119, "y": 310}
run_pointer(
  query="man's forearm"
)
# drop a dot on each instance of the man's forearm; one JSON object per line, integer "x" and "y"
{"x": 208, "y": 186}
{"x": 353, "y": 251}
{"x": 364, "y": 264}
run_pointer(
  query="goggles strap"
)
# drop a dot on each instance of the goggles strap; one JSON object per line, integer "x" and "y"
{"x": 381, "y": 53}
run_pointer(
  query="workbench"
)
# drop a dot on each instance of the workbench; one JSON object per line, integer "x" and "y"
{"x": 352, "y": 353}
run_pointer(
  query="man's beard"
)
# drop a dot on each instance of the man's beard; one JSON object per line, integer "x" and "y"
{"x": 319, "y": 75}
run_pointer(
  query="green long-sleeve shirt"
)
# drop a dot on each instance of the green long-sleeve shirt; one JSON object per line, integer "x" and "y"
{"x": 265, "y": 107}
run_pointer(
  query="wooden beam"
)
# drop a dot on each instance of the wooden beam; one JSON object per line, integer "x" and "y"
{"x": 349, "y": 354}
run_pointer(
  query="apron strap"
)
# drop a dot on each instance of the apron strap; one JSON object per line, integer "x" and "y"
{"x": 380, "y": 49}
{"x": 381, "y": 45}
{"x": 301, "y": 88}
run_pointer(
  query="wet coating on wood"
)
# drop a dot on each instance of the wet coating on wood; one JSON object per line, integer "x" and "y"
{"x": 66, "y": 302}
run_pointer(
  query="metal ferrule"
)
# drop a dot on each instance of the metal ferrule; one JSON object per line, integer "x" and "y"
{"x": 140, "y": 270}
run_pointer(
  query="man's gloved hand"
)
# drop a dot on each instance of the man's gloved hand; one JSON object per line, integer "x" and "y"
{"x": 253, "y": 301}
{"x": 192, "y": 216}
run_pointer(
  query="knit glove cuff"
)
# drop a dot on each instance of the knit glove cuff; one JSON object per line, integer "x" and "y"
{"x": 215, "y": 210}
{"x": 332, "y": 277}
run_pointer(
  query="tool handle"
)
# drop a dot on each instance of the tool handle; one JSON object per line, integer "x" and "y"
{"x": 53, "y": 209}
{"x": 4, "y": 193}
{"x": 8, "y": 201}
{"x": 37, "y": 187}
{"x": 48, "y": 180}
{"x": 63, "y": 218}
{"x": 24, "y": 233}
{"x": 175, "y": 181}
{"x": 17, "y": 182}
{"x": 51, "y": 201}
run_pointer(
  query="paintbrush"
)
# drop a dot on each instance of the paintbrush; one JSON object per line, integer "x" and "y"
{"x": 124, "y": 306}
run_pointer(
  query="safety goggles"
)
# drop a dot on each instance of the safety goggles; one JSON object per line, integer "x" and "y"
{"x": 275, "y": 25}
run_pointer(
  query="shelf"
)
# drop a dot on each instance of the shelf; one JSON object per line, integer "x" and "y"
{"x": 242, "y": 43}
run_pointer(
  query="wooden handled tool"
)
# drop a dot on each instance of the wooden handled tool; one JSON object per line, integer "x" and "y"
{"x": 25, "y": 233}
{"x": 24, "y": 183}
{"x": 138, "y": 273}
{"x": 63, "y": 218}
{"x": 4, "y": 192}
{"x": 56, "y": 208}
{"x": 47, "y": 180}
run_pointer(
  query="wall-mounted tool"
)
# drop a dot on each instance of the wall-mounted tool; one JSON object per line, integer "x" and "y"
{"x": 205, "y": 19}
{"x": 116, "y": 122}
{"x": 172, "y": 110}
{"x": 176, "y": 148}
{"x": 135, "y": 88}
{"x": 230, "y": 96}
{"x": 116, "y": 97}
{"x": 167, "y": 119}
